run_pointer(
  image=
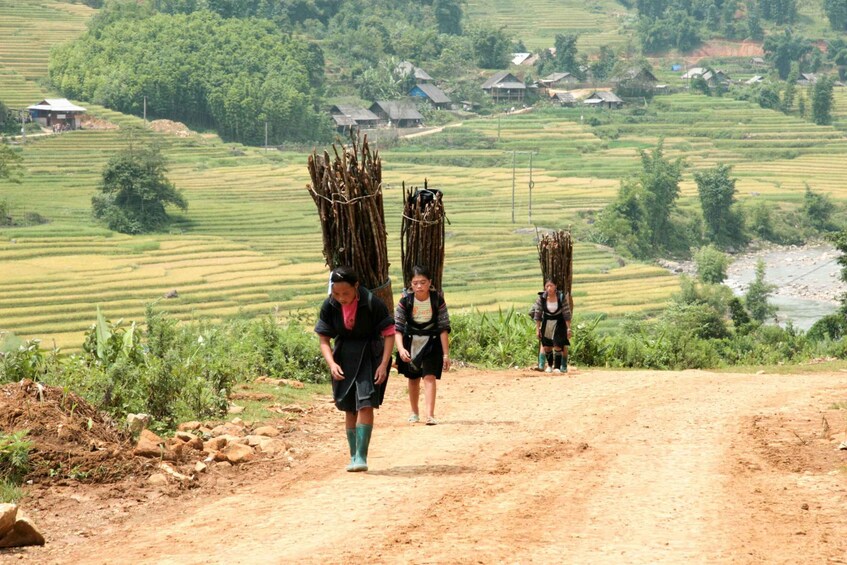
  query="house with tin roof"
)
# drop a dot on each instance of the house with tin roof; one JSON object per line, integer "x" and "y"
{"x": 397, "y": 113}
{"x": 56, "y": 113}
{"x": 504, "y": 86}
{"x": 431, "y": 94}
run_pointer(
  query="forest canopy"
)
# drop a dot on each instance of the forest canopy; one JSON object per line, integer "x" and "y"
{"x": 233, "y": 75}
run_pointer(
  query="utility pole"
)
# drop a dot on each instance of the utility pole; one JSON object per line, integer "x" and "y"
{"x": 513, "y": 187}
{"x": 498, "y": 127}
{"x": 23, "y": 127}
{"x": 531, "y": 185}
{"x": 145, "y": 110}
{"x": 266, "y": 136}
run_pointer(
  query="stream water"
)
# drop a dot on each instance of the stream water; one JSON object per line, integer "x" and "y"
{"x": 807, "y": 278}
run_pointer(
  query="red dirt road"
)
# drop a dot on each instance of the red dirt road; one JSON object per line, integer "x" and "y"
{"x": 597, "y": 467}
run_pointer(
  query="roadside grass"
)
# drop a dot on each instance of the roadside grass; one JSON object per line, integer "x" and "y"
{"x": 820, "y": 366}
{"x": 262, "y": 410}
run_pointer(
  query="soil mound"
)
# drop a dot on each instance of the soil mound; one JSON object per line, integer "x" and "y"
{"x": 70, "y": 438}
{"x": 90, "y": 122}
{"x": 169, "y": 126}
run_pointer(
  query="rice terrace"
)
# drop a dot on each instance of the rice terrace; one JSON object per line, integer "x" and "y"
{"x": 164, "y": 399}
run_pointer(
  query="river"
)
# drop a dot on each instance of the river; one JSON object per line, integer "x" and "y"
{"x": 807, "y": 278}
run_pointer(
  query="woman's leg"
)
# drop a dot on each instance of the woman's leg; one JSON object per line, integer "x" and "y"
{"x": 542, "y": 358}
{"x": 565, "y": 359}
{"x": 557, "y": 359}
{"x": 429, "y": 396}
{"x": 364, "y": 427}
{"x": 548, "y": 352}
{"x": 350, "y": 428}
{"x": 414, "y": 394}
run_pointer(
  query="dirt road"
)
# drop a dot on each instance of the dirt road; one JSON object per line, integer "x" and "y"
{"x": 597, "y": 467}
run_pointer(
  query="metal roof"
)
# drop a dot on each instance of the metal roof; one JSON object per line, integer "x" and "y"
{"x": 57, "y": 105}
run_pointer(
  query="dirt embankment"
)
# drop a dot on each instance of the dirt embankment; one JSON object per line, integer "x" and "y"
{"x": 599, "y": 467}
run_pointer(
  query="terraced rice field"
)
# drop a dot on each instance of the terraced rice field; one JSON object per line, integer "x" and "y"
{"x": 537, "y": 22}
{"x": 28, "y": 30}
{"x": 249, "y": 243}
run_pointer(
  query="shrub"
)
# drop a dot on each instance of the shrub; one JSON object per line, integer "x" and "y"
{"x": 711, "y": 264}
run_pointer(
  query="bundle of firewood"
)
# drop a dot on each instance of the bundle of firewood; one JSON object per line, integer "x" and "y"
{"x": 555, "y": 253}
{"x": 347, "y": 190}
{"x": 422, "y": 232}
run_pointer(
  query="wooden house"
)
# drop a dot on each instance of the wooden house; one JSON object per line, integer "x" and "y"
{"x": 56, "y": 113}
{"x": 348, "y": 117}
{"x": 401, "y": 114}
{"x": 421, "y": 76}
{"x": 431, "y": 94}
{"x": 565, "y": 99}
{"x": 603, "y": 99}
{"x": 504, "y": 86}
{"x": 555, "y": 80}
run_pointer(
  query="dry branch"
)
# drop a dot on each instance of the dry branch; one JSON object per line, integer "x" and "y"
{"x": 347, "y": 191}
{"x": 422, "y": 233}
{"x": 555, "y": 254}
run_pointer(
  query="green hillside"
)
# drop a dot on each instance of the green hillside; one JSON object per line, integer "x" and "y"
{"x": 538, "y": 21}
{"x": 249, "y": 242}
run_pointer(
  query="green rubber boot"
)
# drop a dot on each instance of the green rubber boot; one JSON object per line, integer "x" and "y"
{"x": 542, "y": 361}
{"x": 363, "y": 440}
{"x": 351, "y": 441}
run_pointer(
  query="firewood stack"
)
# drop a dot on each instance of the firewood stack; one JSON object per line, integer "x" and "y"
{"x": 555, "y": 253}
{"x": 422, "y": 233}
{"x": 347, "y": 189}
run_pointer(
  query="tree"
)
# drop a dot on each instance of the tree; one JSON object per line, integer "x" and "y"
{"x": 784, "y": 49}
{"x": 659, "y": 180}
{"x": 567, "y": 53}
{"x": 604, "y": 66}
{"x": 724, "y": 226}
{"x": 756, "y": 297}
{"x": 790, "y": 89}
{"x": 448, "y": 14}
{"x": 712, "y": 264}
{"x": 836, "y": 12}
{"x": 822, "y": 100}
{"x": 754, "y": 22}
{"x": 135, "y": 191}
{"x": 817, "y": 210}
{"x": 10, "y": 163}
{"x": 491, "y": 47}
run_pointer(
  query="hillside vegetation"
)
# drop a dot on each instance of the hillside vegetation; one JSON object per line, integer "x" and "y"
{"x": 249, "y": 241}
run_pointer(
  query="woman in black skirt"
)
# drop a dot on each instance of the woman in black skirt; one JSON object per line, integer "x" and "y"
{"x": 363, "y": 331}
{"x": 553, "y": 326}
{"x": 424, "y": 351}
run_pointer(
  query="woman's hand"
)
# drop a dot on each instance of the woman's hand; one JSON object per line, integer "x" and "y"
{"x": 381, "y": 373}
{"x": 336, "y": 372}
{"x": 446, "y": 364}
{"x": 404, "y": 354}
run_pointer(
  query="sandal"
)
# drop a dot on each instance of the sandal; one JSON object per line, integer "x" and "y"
{"x": 430, "y": 421}
{"x": 414, "y": 419}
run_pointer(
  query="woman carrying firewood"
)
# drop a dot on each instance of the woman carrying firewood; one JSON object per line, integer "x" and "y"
{"x": 424, "y": 351}
{"x": 363, "y": 331}
{"x": 553, "y": 326}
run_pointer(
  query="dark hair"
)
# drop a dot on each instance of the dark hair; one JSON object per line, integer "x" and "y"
{"x": 344, "y": 274}
{"x": 420, "y": 271}
{"x": 551, "y": 281}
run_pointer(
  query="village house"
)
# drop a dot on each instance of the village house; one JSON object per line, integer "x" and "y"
{"x": 504, "y": 86}
{"x": 807, "y": 79}
{"x": 755, "y": 80}
{"x": 431, "y": 94}
{"x": 397, "y": 113}
{"x": 693, "y": 72}
{"x": 421, "y": 76}
{"x": 636, "y": 77}
{"x": 352, "y": 117}
{"x": 716, "y": 78}
{"x": 56, "y": 113}
{"x": 603, "y": 99}
{"x": 757, "y": 62}
{"x": 555, "y": 80}
{"x": 565, "y": 99}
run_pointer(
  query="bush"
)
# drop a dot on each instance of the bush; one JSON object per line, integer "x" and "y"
{"x": 14, "y": 456}
{"x": 711, "y": 264}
